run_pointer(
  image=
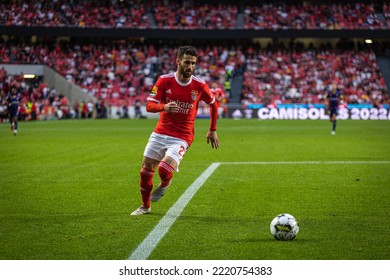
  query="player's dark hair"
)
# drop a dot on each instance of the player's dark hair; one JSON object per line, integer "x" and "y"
{"x": 189, "y": 50}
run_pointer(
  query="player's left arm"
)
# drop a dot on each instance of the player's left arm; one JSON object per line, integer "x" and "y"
{"x": 212, "y": 136}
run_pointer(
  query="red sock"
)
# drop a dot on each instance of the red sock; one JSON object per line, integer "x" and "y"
{"x": 146, "y": 185}
{"x": 165, "y": 171}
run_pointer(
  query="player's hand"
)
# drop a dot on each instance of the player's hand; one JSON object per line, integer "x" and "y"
{"x": 212, "y": 138}
{"x": 171, "y": 107}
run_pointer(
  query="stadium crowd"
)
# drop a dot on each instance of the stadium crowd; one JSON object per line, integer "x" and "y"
{"x": 329, "y": 16}
{"x": 194, "y": 14}
{"x": 303, "y": 76}
{"x": 386, "y": 13}
{"x": 68, "y": 13}
{"x": 120, "y": 74}
{"x": 37, "y": 99}
{"x": 205, "y": 16}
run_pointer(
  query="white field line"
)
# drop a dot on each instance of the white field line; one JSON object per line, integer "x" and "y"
{"x": 147, "y": 246}
{"x": 306, "y": 162}
{"x": 143, "y": 251}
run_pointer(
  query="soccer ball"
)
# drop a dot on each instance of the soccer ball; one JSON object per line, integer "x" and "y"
{"x": 284, "y": 227}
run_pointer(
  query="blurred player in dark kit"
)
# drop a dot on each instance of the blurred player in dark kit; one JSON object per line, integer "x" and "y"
{"x": 13, "y": 101}
{"x": 334, "y": 98}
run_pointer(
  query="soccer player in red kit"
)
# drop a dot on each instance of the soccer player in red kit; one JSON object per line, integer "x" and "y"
{"x": 219, "y": 98}
{"x": 176, "y": 97}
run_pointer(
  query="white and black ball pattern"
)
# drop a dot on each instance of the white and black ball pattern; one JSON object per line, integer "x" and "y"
{"x": 284, "y": 227}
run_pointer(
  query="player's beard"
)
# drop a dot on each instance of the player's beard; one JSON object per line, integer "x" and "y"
{"x": 186, "y": 73}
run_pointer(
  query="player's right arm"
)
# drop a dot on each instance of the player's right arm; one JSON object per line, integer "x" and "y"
{"x": 155, "y": 101}
{"x": 153, "y": 107}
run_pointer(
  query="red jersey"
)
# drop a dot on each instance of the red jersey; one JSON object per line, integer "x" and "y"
{"x": 187, "y": 96}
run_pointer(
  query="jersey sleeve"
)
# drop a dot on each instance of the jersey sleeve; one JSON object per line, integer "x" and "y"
{"x": 213, "y": 116}
{"x": 207, "y": 96}
{"x": 156, "y": 95}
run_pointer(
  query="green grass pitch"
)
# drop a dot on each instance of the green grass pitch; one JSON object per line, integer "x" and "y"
{"x": 67, "y": 189}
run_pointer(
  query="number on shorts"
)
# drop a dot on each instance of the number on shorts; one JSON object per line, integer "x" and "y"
{"x": 181, "y": 151}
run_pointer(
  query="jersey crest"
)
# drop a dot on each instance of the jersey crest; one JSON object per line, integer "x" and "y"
{"x": 194, "y": 94}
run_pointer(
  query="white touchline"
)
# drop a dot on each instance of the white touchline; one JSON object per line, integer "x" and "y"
{"x": 147, "y": 246}
{"x": 307, "y": 162}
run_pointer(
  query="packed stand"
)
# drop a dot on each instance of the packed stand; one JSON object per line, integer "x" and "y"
{"x": 285, "y": 76}
{"x": 116, "y": 14}
{"x": 386, "y": 13}
{"x": 34, "y": 13}
{"x": 81, "y": 13}
{"x": 36, "y": 99}
{"x": 205, "y": 16}
{"x": 118, "y": 73}
{"x": 307, "y": 16}
{"x": 189, "y": 15}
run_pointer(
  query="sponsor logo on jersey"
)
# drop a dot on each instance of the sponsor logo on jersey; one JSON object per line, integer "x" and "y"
{"x": 154, "y": 90}
{"x": 185, "y": 107}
